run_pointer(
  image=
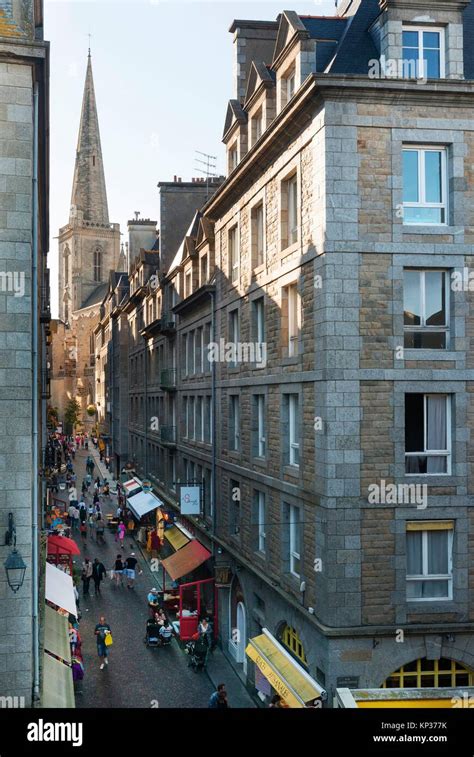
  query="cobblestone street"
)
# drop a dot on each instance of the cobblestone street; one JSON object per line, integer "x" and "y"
{"x": 136, "y": 676}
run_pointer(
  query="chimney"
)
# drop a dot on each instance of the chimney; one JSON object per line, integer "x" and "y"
{"x": 142, "y": 236}
{"x": 253, "y": 40}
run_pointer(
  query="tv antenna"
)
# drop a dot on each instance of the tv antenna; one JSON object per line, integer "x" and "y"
{"x": 210, "y": 167}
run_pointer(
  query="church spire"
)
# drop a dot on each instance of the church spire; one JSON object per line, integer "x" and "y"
{"x": 89, "y": 194}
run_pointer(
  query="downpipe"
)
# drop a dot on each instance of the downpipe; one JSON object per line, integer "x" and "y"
{"x": 35, "y": 404}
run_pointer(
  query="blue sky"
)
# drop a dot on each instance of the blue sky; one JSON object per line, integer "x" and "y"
{"x": 163, "y": 76}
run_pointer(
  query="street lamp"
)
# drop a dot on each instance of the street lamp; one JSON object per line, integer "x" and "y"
{"x": 15, "y": 567}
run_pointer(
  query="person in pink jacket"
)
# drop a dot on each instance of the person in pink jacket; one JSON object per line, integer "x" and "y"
{"x": 121, "y": 530}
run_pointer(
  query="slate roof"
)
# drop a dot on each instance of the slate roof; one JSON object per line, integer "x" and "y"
{"x": 96, "y": 296}
{"x": 357, "y": 48}
{"x": 324, "y": 27}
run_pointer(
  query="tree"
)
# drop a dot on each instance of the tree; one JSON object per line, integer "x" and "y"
{"x": 71, "y": 415}
{"x": 52, "y": 416}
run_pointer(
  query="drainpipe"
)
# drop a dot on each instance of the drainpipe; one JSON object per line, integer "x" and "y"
{"x": 213, "y": 423}
{"x": 145, "y": 341}
{"x": 35, "y": 402}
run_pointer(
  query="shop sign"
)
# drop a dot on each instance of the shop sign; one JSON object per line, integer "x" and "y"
{"x": 223, "y": 575}
{"x": 190, "y": 500}
{"x": 348, "y": 682}
{"x": 261, "y": 683}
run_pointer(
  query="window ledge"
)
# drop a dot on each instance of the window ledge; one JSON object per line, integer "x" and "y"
{"x": 294, "y": 360}
{"x": 285, "y": 251}
{"x": 258, "y": 269}
{"x": 292, "y": 470}
{"x": 436, "y": 229}
{"x": 411, "y": 353}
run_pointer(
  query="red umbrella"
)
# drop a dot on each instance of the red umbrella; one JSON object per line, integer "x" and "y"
{"x": 61, "y": 545}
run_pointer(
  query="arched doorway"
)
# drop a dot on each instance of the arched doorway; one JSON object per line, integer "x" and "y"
{"x": 238, "y": 624}
{"x": 424, "y": 673}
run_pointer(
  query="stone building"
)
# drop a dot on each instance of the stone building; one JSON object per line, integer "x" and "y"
{"x": 330, "y": 275}
{"x": 24, "y": 328}
{"x": 89, "y": 249}
{"x": 153, "y": 350}
{"x": 340, "y": 233}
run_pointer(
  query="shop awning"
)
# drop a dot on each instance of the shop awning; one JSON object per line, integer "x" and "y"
{"x": 56, "y": 634}
{"x": 131, "y": 486}
{"x": 295, "y": 685}
{"x": 185, "y": 560}
{"x": 61, "y": 545}
{"x": 142, "y": 503}
{"x": 60, "y": 589}
{"x": 58, "y": 688}
{"x": 176, "y": 537}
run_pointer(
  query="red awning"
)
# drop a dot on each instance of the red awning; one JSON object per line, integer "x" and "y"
{"x": 61, "y": 545}
{"x": 185, "y": 560}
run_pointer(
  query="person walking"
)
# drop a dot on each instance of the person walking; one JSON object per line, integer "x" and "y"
{"x": 121, "y": 534}
{"x": 218, "y": 700}
{"x": 118, "y": 570}
{"x": 102, "y": 629}
{"x": 90, "y": 521}
{"x": 98, "y": 574}
{"x": 83, "y": 531}
{"x": 72, "y": 495}
{"x": 100, "y": 527}
{"x": 86, "y": 576}
{"x": 131, "y": 569}
{"x": 76, "y": 517}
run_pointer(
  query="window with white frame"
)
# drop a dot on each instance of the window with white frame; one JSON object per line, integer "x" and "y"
{"x": 233, "y": 157}
{"x": 204, "y": 270}
{"x": 423, "y": 52}
{"x": 295, "y": 540}
{"x": 424, "y": 185}
{"x": 429, "y": 560}
{"x": 207, "y": 341}
{"x": 233, "y": 255}
{"x": 427, "y": 434}
{"x": 186, "y": 417}
{"x": 291, "y": 319}
{"x": 199, "y": 433}
{"x": 291, "y": 446}
{"x": 291, "y": 187}
{"x": 426, "y": 309}
{"x": 288, "y": 85}
{"x": 258, "y": 306}
{"x": 234, "y": 334}
{"x": 257, "y": 125}
{"x": 191, "y": 417}
{"x": 258, "y": 243}
{"x": 259, "y": 445}
{"x": 234, "y": 422}
{"x": 188, "y": 280}
{"x": 207, "y": 419}
{"x": 259, "y": 520}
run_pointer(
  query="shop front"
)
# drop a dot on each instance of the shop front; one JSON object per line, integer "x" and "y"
{"x": 277, "y": 672}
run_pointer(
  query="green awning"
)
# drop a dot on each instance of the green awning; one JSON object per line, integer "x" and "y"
{"x": 58, "y": 688}
{"x": 56, "y": 634}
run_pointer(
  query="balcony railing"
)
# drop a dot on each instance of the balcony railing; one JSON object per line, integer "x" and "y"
{"x": 168, "y": 379}
{"x": 168, "y": 435}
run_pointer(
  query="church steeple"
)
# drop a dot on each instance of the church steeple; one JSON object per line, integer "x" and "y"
{"x": 89, "y": 194}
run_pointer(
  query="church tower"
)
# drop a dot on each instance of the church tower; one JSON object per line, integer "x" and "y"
{"x": 89, "y": 245}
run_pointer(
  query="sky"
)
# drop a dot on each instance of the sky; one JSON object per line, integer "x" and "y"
{"x": 162, "y": 76}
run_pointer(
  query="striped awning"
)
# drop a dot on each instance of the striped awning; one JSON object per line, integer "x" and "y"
{"x": 56, "y": 634}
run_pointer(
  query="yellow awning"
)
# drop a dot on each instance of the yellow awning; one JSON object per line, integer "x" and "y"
{"x": 176, "y": 537}
{"x": 58, "y": 688}
{"x": 56, "y": 634}
{"x": 289, "y": 680}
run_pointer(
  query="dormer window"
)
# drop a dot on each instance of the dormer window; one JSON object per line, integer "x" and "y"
{"x": 233, "y": 157}
{"x": 257, "y": 126}
{"x": 290, "y": 85}
{"x": 423, "y": 52}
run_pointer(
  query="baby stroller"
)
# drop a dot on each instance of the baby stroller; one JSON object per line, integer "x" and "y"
{"x": 152, "y": 638}
{"x": 198, "y": 651}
